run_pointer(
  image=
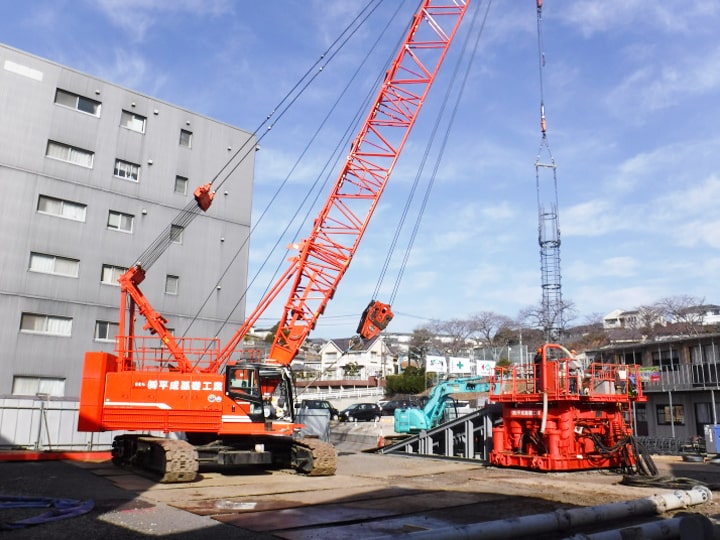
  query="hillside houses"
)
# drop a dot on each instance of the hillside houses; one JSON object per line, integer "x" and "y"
{"x": 702, "y": 315}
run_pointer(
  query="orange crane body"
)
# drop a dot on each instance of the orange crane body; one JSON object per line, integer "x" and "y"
{"x": 216, "y": 395}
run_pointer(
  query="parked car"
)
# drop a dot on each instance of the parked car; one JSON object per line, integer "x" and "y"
{"x": 388, "y": 409}
{"x": 319, "y": 404}
{"x": 360, "y": 412}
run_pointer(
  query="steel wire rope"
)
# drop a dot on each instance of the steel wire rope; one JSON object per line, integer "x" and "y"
{"x": 431, "y": 142}
{"x": 327, "y": 169}
{"x": 551, "y": 301}
{"x": 336, "y": 152}
{"x": 544, "y": 142}
{"x": 191, "y": 209}
{"x": 541, "y": 84}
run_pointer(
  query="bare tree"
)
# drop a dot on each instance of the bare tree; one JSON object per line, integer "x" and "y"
{"x": 492, "y": 330}
{"x": 456, "y": 333}
{"x": 594, "y": 319}
{"x": 648, "y": 317}
{"x": 684, "y": 309}
{"x": 536, "y": 317}
{"x": 419, "y": 345}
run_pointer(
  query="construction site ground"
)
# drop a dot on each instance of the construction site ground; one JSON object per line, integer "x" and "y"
{"x": 370, "y": 496}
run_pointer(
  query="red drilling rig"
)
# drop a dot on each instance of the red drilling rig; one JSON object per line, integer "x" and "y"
{"x": 557, "y": 416}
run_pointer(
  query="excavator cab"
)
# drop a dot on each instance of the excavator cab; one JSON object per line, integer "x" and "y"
{"x": 374, "y": 319}
{"x": 266, "y": 388}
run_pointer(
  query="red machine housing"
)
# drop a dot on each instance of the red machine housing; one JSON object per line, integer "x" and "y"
{"x": 557, "y": 418}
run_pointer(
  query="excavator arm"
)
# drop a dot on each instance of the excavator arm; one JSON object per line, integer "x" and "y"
{"x": 324, "y": 256}
{"x": 413, "y": 420}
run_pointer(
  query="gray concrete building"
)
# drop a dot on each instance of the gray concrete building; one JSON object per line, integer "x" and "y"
{"x": 91, "y": 174}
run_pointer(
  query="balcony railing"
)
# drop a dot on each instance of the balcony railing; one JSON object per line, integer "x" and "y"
{"x": 680, "y": 377}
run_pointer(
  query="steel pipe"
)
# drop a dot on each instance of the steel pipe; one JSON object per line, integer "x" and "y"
{"x": 564, "y": 519}
{"x": 688, "y": 527}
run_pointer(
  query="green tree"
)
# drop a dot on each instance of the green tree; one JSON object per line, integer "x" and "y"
{"x": 411, "y": 381}
{"x": 270, "y": 337}
{"x": 352, "y": 369}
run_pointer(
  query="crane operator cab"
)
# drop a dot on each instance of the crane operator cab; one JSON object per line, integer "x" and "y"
{"x": 268, "y": 390}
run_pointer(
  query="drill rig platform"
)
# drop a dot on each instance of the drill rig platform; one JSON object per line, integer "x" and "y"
{"x": 557, "y": 416}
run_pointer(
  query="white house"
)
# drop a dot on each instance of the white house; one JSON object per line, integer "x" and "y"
{"x": 619, "y": 318}
{"x": 706, "y": 314}
{"x": 373, "y": 358}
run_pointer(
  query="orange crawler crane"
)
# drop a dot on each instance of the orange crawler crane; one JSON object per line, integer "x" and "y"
{"x": 234, "y": 410}
{"x": 558, "y": 417}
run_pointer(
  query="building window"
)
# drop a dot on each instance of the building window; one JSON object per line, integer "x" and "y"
{"x": 70, "y": 154}
{"x": 120, "y": 222}
{"x": 61, "y": 208}
{"x": 46, "y": 324}
{"x": 33, "y": 386}
{"x": 127, "y": 170}
{"x": 106, "y": 330}
{"x": 176, "y": 234}
{"x": 132, "y": 121}
{"x": 172, "y": 284}
{"x": 666, "y": 416}
{"x": 186, "y": 138}
{"x": 51, "y": 264}
{"x": 79, "y": 103}
{"x": 667, "y": 359}
{"x": 111, "y": 274}
{"x": 181, "y": 184}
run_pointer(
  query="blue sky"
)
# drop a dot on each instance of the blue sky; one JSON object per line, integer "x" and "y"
{"x": 631, "y": 91}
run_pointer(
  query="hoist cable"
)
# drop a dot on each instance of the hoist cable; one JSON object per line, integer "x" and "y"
{"x": 191, "y": 209}
{"x": 361, "y": 111}
{"x": 431, "y": 141}
{"x": 337, "y": 152}
{"x": 541, "y": 49}
{"x": 453, "y": 115}
{"x": 544, "y": 143}
{"x": 552, "y": 310}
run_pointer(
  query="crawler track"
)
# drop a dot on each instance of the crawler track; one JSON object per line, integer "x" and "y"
{"x": 165, "y": 460}
{"x": 170, "y": 461}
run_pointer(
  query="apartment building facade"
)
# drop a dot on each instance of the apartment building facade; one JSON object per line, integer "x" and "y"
{"x": 91, "y": 174}
{"x": 681, "y": 379}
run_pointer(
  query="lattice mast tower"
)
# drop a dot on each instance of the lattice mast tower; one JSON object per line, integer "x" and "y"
{"x": 552, "y": 307}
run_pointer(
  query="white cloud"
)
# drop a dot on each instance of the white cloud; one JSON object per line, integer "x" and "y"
{"x": 602, "y": 298}
{"x": 665, "y": 83}
{"x": 585, "y": 270}
{"x": 594, "y": 17}
{"x": 136, "y": 17}
{"x": 591, "y": 218}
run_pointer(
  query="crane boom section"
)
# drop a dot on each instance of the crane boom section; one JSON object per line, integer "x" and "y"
{"x": 324, "y": 256}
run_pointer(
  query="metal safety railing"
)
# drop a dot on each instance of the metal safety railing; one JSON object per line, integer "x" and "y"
{"x": 46, "y": 424}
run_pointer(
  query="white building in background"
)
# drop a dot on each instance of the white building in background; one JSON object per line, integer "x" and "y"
{"x": 619, "y": 318}
{"x": 373, "y": 358}
{"x": 704, "y": 315}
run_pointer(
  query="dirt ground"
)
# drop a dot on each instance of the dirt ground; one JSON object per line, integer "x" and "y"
{"x": 370, "y": 496}
{"x": 593, "y": 488}
{"x": 384, "y": 495}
